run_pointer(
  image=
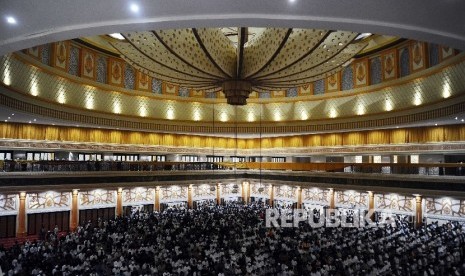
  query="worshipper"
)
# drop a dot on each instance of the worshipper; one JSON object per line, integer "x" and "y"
{"x": 233, "y": 240}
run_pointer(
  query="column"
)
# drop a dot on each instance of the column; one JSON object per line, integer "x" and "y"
{"x": 157, "y": 199}
{"x": 418, "y": 211}
{"x": 21, "y": 229}
{"x": 245, "y": 192}
{"x": 248, "y": 191}
{"x": 371, "y": 204}
{"x": 332, "y": 204}
{"x": 190, "y": 204}
{"x": 218, "y": 193}
{"x": 73, "y": 222}
{"x": 272, "y": 196}
{"x": 119, "y": 202}
{"x": 299, "y": 197}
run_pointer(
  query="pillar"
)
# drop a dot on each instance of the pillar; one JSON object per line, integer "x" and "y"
{"x": 119, "y": 202}
{"x": 157, "y": 199}
{"x": 245, "y": 192}
{"x": 73, "y": 222}
{"x": 299, "y": 197}
{"x": 190, "y": 204}
{"x": 248, "y": 191}
{"x": 272, "y": 196}
{"x": 371, "y": 204}
{"x": 218, "y": 193}
{"x": 418, "y": 211}
{"x": 21, "y": 229}
{"x": 332, "y": 204}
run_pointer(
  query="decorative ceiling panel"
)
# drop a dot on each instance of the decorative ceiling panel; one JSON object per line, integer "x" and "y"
{"x": 183, "y": 44}
{"x": 220, "y": 49}
{"x": 328, "y": 58}
{"x": 273, "y": 59}
{"x": 300, "y": 44}
{"x": 261, "y": 49}
{"x": 153, "y": 67}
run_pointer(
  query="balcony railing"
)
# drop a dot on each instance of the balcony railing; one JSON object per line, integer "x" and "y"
{"x": 88, "y": 166}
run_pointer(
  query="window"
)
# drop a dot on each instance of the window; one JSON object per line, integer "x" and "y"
{"x": 189, "y": 158}
{"x": 6, "y": 155}
{"x": 278, "y": 159}
{"x": 90, "y": 157}
{"x": 237, "y": 159}
{"x": 126, "y": 157}
{"x": 38, "y": 156}
{"x": 158, "y": 158}
{"x": 211, "y": 158}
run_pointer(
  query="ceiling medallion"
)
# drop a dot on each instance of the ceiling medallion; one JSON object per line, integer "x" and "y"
{"x": 237, "y": 63}
{"x": 237, "y": 91}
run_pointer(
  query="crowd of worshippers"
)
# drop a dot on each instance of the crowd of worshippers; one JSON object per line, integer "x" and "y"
{"x": 233, "y": 240}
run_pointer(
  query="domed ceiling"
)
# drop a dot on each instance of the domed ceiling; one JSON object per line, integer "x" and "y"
{"x": 239, "y": 60}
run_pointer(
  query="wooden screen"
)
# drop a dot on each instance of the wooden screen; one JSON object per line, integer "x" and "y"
{"x": 48, "y": 220}
{"x": 8, "y": 226}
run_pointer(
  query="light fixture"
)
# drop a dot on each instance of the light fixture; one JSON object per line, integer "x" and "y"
{"x": 134, "y": 8}
{"x": 11, "y": 20}
{"x": 362, "y": 36}
{"x": 117, "y": 36}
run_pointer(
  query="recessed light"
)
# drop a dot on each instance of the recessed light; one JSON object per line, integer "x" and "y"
{"x": 30, "y": 122}
{"x": 12, "y": 114}
{"x": 134, "y": 7}
{"x": 436, "y": 124}
{"x": 6, "y": 121}
{"x": 117, "y": 36}
{"x": 462, "y": 120}
{"x": 11, "y": 20}
{"x": 9, "y": 118}
{"x": 292, "y": 1}
{"x": 35, "y": 120}
{"x": 456, "y": 118}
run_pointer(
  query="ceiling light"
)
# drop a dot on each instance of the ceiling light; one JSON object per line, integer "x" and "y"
{"x": 11, "y": 20}
{"x": 117, "y": 36}
{"x": 362, "y": 36}
{"x": 292, "y": 1}
{"x": 456, "y": 118}
{"x": 6, "y": 121}
{"x": 9, "y": 118}
{"x": 12, "y": 114}
{"x": 436, "y": 124}
{"x": 30, "y": 122}
{"x": 462, "y": 120}
{"x": 35, "y": 120}
{"x": 134, "y": 7}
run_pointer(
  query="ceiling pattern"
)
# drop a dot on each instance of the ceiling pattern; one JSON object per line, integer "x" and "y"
{"x": 205, "y": 58}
